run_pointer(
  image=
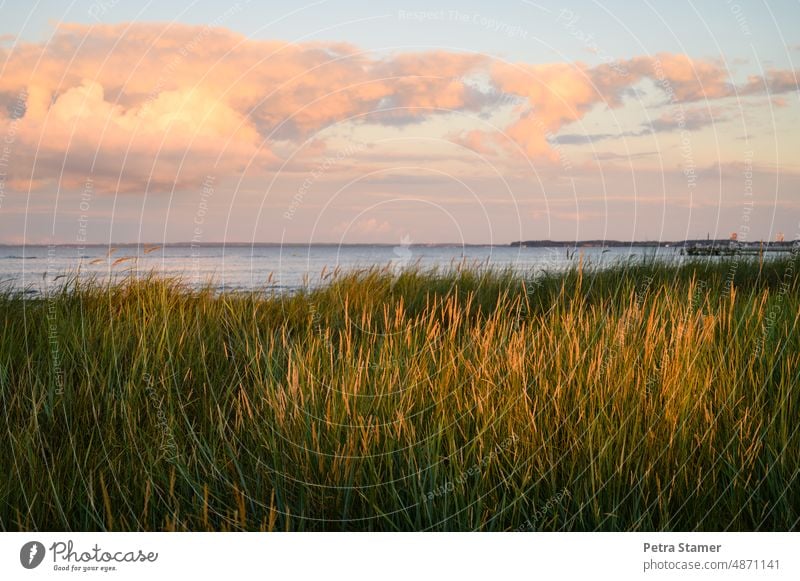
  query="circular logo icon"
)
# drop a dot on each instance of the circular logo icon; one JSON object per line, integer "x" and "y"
{"x": 31, "y": 554}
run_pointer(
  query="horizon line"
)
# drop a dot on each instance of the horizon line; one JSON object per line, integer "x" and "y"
{"x": 513, "y": 243}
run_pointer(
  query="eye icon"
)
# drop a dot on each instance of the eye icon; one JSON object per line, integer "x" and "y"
{"x": 31, "y": 554}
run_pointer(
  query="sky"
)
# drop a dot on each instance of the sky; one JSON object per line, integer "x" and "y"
{"x": 429, "y": 122}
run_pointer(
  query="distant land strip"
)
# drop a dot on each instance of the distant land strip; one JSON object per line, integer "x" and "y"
{"x": 788, "y": 245}
{"x": 652, "y": 243}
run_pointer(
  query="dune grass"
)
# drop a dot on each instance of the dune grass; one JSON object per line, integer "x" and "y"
{"x": 641, "y": 397}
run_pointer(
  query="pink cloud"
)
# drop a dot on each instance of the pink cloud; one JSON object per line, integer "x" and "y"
{"x": 562, "y": 93}
{"x": 774, "y": 82}
{"x": 362, "y": 229}
{"x": 152, "y": 107}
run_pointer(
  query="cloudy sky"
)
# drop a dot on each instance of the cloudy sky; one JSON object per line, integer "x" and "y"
{"x": 346, "y": 121}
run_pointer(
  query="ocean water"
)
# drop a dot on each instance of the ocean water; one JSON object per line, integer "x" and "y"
{"x": 280, "y": 268}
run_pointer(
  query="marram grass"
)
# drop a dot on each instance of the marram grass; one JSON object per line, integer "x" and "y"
{"x": 642, "y": 397}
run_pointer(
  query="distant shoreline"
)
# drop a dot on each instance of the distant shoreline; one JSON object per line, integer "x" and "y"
{"x": 516, "y": 244}
{"x": 652, "y": 243}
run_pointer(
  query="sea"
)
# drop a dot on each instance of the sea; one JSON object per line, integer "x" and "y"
{"x": 38, "y": 269}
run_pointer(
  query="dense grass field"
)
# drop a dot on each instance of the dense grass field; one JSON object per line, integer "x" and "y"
{"x": 643, "y": 397}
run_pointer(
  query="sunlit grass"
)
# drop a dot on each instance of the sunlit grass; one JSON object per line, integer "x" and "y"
{"x": 640, "y": 397}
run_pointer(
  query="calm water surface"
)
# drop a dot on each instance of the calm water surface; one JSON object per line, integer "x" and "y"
{"x": 287, "y": 267}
